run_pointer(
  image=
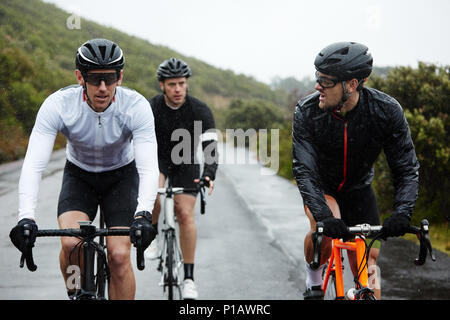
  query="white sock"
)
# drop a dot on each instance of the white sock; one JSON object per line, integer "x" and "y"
{"x": 313, "y": 277}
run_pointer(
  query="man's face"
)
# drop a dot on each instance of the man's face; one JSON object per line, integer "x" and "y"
{"x": 175, "y": 91}
{"x": 100, "y": 87}
{"x": 331, "y": 95}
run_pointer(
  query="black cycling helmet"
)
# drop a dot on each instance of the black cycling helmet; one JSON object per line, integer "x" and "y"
{"x": 173, "y": 68}
{"x": 99, "y": 54}
{"x": 345, "y": 60}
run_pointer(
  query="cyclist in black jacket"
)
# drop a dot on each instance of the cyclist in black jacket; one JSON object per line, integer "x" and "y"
{"x": 182, "y": 122}
{"x": 338, "y": 133}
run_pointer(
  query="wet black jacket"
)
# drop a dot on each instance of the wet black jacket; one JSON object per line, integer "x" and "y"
{"x": 332, "y": 153}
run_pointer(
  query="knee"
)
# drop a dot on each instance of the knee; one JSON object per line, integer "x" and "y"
{"x": 68, "y": 245}
{"x": 185, "y": 216}
{"x": 118, "y": 259}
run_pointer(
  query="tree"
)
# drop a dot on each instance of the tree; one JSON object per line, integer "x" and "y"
{"x": 253, "y": 114}
{"x": 424, "y": 93}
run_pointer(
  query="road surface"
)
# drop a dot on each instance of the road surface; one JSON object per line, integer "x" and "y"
{"x": 250, "y": 244}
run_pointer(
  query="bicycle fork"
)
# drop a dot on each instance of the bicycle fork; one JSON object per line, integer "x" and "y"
{"x": 88, "y": 285}
{"x": 336, "y": 257}
{"x": 88, "y": 281}
{"x": 170, "y": 240}
{"x": 169, "y": 212}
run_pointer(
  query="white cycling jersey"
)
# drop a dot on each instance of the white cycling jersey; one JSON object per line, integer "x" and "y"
{"x": 96, "y": 141}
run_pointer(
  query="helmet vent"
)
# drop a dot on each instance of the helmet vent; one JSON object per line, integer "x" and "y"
{"x": 91, "y": 50}
{"x": 333, "y": 61}
{"x": 102, "y": 51}
{"x": 343, "y": 51}
{"x": 111, "y": 53}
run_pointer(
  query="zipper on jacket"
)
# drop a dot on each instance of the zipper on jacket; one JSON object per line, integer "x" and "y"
{"x": 99, "y": 122}
{"x": 344, "y": 173}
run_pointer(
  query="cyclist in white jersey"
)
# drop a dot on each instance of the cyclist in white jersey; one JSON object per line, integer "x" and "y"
{"x": 111, "y": 160}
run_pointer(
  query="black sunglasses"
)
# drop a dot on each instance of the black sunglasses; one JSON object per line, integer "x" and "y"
{"x": 95, "y": 79}
{"x": 326, "y": 82}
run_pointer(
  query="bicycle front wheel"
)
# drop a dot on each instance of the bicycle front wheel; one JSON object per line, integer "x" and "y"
{"x": 172, "y": 262}
{"x": 330, "y": 293}
{"x": 102, "y": 278}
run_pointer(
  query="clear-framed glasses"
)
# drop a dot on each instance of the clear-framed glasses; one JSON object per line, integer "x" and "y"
{"x": 326, "y": 82}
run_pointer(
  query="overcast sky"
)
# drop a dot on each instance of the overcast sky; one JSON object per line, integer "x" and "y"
{"x": 268, "y": 38}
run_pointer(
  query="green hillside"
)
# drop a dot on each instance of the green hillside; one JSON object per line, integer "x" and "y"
{"x": 37, "y": 52}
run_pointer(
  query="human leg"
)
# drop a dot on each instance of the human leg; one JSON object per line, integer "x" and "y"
{"x": 184, "y": 209}
{"x": 119, "y": 202}
{"x": 326, "y": 242}
{"x": 122, "y": 285}
{"x": 70, "y": 256}
{"x": 77, "y": 202}
{"x": 314, "y": 277}
{"x": 357, "y": 207}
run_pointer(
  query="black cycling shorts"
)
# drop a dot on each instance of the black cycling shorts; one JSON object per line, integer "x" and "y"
{"x": 115, "y": 191}
{"x": 358, "y": 206}
{"x": 182, "y": 175}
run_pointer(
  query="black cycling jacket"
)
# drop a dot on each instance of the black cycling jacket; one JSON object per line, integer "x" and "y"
{"x": 332, "y": 153}
{"x": 168, "y": 120}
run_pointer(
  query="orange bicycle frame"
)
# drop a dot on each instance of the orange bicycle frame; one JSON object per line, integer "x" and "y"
{"x": 336, "y": 256}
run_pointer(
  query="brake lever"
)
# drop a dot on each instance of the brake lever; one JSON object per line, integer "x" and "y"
{"x": 22, "y": 260}
{"x": 202, "y": 184}
{"x": 425, "y": 243}
{"x": 30, "y": 261}
{"x": 202, "y": 201}
{"x": 28, "y": 256}
{"x": 140, "y": 261}
{"x": 425, "y": 225}
{"x": 317, "y": 242}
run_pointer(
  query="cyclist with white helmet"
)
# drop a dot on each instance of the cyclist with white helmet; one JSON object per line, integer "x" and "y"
{"x": 111, "y": 161}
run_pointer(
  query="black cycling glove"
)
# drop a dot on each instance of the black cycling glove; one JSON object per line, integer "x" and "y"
{"x": 18, "y": 238}
{"x": 334, "y": 228}
{"x": 395, "y": 226}
{"x": 143, "y": 222}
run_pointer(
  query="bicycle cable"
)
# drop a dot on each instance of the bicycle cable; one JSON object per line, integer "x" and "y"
{"x": 365, "y": 257}
{"x": 78, "y": 245}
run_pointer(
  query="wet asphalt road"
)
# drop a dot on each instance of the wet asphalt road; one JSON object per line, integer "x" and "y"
{"x": 401, "y": 279}
{"x": 250, "y": 244}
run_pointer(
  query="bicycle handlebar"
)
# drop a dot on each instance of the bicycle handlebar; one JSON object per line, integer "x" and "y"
{"x": 421, "y": 232}
{"x": 85, "y": 232}
{"x": 170, "y": 191}
{"x": 80, "y": 234}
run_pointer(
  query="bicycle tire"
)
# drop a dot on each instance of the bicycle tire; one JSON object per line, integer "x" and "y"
{"x": 370, "y": 297}
{"x": 169, "y": 264}
{"x": 101, "y": 278}
{"x": 330, "y": 293}
{"x": 170, "y": 260}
